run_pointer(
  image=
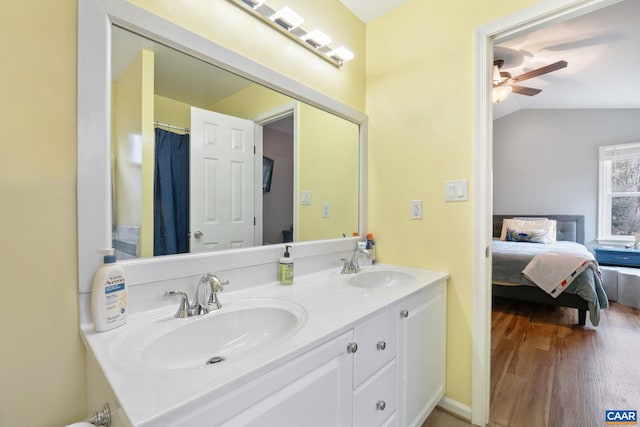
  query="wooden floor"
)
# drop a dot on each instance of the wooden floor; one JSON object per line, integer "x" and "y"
{"x": 547, "y": 371}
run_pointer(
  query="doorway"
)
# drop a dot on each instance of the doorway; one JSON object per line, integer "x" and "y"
{"x": 541, "y": 15}
{"x": 278, "y": 131}
{"x": 277, "y": 194}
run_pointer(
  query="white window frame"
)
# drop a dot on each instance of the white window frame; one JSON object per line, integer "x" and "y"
{"x": 606, "y": 154}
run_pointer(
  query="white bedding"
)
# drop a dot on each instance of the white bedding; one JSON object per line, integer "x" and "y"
{"x": 554, "y": 271}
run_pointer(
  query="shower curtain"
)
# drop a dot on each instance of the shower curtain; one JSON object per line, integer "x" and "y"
{"x": 171, "y": 194}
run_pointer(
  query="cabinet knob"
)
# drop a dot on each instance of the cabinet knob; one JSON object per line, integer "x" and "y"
{"x": 198, "y": 234}
{"x": 404, "y": 313}
{"x": 380, "y": 405}
{"x": 381, "y": 345}
{"x": 352, "y": 347}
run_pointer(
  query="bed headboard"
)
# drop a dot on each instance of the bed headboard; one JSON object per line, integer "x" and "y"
{"x": 570, "y": 227}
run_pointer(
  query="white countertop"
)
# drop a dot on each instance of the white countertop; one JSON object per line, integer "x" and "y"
{"x": 148, "y": 394}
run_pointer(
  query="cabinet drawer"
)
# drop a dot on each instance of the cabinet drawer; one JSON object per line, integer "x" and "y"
{"x": 377, "y": 344}
{"x": 375, "y": 401}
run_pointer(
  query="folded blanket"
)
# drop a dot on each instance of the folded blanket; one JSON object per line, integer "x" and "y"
{"x": 554, "y": 271}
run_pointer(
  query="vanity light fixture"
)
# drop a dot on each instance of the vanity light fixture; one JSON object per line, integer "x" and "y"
{"x": 289, "y": 23}
{"x": 287, "y": 18}
{"x": 254, "y": 3}
{"x": 316, "y": 38}
{"x": 341, "y": 54}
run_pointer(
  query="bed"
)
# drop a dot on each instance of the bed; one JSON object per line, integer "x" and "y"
{"x": 585, "y": 292}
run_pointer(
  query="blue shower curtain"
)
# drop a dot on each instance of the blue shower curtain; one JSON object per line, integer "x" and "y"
{"x": 171, "y": 194}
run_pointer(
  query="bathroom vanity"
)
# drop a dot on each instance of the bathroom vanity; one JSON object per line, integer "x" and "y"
{"x": 366, "y": 349}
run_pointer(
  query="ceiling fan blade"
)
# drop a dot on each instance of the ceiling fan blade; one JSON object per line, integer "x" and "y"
{"x": 522, "y": 90}
{"x": 542, "y": 70}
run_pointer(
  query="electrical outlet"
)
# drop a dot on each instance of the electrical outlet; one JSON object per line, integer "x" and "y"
{"x": 416, "y": 209}
{"x": 326, "y": 210}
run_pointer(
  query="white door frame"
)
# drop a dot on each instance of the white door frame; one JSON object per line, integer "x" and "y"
{"x": 530, "y": 19}
{"x": 270, "y": 116}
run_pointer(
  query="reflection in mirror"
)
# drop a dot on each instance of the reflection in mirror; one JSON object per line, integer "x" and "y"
{"x": 188, "y": 147}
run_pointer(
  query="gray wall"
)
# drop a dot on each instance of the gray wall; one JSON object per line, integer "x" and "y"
{"x": 546, "y": 161}
{"x": 278, "y": 203}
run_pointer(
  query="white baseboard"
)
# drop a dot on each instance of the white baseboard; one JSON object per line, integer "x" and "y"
{"x": 456, "y": 408}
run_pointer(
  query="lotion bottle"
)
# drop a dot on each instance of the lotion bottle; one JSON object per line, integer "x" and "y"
{"x": 109, "y": 304}
{"x": 285, "y": 268}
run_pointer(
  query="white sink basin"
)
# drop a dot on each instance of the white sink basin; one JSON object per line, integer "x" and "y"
{"x": 380, "y": 279}
{"x": 231, "y": 333}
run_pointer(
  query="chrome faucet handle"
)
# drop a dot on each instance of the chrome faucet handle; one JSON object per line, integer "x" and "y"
{"x": 185, "y": 310}
{"x": 216, "y": 283}
{"x": 213, "y": 303}
{"x": 346, "y": 266}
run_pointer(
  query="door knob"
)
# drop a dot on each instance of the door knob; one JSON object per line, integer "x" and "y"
{"x": 198, "y": 234}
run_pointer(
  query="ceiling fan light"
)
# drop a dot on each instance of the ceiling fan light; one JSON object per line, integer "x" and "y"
{"x": 500, "y": 93}
{"x": 496, "y": 75}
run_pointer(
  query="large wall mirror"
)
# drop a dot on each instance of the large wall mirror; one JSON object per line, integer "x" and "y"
{"x": 192, "y": 171}
{"x": 155, "y": 104}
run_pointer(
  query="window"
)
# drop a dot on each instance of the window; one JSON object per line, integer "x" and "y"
{"x": 619, "y": 197}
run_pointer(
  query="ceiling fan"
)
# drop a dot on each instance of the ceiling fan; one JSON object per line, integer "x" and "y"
{"x": 504, "y": 84}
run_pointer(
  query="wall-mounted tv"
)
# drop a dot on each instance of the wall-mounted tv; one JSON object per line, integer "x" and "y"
{"x": 267, "y": 173}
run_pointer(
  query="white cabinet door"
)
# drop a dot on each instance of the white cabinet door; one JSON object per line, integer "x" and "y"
{"x": 422, "y": 353}
{"x": 313, "y": 390}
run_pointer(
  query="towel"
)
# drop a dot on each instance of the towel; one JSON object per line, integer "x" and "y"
{"x": 554, "y": 271}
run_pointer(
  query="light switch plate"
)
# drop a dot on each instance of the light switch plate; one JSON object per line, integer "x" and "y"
{"x": 326, "y": 210}
{"x": 416, "y": 209}
{"x": 305, "y": 198}
{"x": 456, "y": 191}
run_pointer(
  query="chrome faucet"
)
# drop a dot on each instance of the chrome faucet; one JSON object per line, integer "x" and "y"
{"x": 210, "y": 297}
{"x": 351, "y": 266}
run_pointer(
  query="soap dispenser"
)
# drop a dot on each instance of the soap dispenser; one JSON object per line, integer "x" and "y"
{"x": 285, "y": 268}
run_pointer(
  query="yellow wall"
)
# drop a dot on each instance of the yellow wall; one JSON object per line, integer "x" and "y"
{"x": 42, "y": 357}
{"x": 420, "y": 89}
{"x": 251, "y": 101}
{"x": 170, "y": 111}
{"x": 148, "y": 153}
{"x": 328, "y": 159}
{"x": 132, "y": 102}
{"x": 127, "y": 134}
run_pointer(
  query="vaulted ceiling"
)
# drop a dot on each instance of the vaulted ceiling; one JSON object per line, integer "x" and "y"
{"x": 602, "y": 49}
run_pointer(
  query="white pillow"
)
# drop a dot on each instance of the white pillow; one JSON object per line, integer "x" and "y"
{"x": 549, "y": 225}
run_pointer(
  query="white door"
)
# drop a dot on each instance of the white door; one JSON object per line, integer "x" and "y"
{"x": 222, "y": 183}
